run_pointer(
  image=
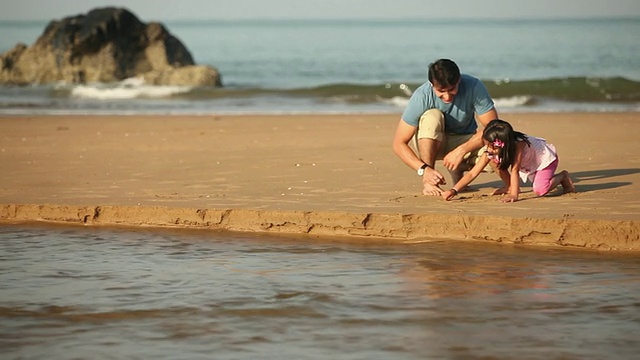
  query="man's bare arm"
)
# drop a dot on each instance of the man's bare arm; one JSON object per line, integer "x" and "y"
{"x": 404, "y": 134}
{"x": 453, "y": 159}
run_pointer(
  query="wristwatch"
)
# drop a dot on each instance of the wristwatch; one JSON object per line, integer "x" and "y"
{"x": 421, "y": 170}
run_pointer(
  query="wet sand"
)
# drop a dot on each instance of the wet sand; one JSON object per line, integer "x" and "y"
{"x": 328, "y": 175}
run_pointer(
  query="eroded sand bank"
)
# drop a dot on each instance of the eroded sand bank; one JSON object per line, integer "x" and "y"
{"x": 313, "y": 174}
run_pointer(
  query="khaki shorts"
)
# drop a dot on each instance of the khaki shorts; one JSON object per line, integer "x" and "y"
{"x": 431, "y": 126}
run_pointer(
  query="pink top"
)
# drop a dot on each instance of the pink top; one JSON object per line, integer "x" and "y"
{"x": 536, "y": 157}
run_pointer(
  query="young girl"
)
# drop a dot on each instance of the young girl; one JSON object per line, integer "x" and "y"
{"x": 530, "y": 157}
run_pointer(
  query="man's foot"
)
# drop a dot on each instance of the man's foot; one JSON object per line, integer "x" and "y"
{"x": 567, "y": 183}
{"x": 431, "y": 190}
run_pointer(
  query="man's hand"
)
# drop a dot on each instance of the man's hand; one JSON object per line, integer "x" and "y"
{"x": 431, "y": 181}
{"x": 433, "y": 177}
{"x": 453, "y": 159}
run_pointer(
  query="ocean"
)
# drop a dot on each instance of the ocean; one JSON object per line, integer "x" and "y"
{"x": 99, "y": 293}
{"x": 363, "y": 66}
{"x": 112, "y": 293}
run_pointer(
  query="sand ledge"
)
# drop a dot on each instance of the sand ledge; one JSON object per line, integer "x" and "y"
{"x": 333, "y": 175}
{"x": 403, "y": 228}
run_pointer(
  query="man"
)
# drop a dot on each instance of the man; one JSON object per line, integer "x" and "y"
{"x": 440, "y": 116}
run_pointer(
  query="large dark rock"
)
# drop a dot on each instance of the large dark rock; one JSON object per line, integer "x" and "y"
{"x": 105, "y": 45}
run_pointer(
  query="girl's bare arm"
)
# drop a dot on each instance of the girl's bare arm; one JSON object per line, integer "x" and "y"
{"x": 467, "y": 178}
{"x": 514, "y": 186}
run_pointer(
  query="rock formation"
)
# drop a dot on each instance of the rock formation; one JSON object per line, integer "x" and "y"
{"x": 105, "y": 45}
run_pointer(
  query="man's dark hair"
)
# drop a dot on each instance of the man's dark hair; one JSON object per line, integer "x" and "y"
{"x": 444, "y": 73}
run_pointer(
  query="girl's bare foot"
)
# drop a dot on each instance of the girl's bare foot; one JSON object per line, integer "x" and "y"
{"x": 432, "y": 190}
{"x": 567, "y": 183}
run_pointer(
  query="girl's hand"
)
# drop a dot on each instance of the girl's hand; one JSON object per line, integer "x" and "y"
{"x": 448, "y": 195}
{"x": 509, "y": 198}
{"x": 501, "y": 191}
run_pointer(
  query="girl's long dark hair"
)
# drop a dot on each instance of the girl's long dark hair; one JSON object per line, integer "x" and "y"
{"x": 501, "y": 130}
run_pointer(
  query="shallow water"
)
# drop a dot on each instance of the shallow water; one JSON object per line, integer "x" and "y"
{"x": 73, "y": 292}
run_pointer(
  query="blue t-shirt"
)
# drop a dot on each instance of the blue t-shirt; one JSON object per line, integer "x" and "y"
{"x": 472, "y": 97}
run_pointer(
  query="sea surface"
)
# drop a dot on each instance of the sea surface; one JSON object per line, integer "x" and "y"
{"x": 104, "y": 293}
{"x": 363, "y": 66}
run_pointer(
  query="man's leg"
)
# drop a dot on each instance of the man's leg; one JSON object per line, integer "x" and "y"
{"x": 429, "y": 139}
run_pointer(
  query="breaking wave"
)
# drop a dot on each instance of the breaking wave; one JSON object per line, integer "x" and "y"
{"x": 133, "y": 88}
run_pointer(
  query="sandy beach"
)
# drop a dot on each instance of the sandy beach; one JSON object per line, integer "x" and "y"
{"x": 322, "y": 175}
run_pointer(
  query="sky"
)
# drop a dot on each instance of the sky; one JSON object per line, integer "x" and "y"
{"x": 167, "y": 10}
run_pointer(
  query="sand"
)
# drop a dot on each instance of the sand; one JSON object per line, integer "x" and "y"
{"x": 321, "y": 175}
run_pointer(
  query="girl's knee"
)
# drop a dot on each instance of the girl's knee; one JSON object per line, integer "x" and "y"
{"x": 541, "y": 190}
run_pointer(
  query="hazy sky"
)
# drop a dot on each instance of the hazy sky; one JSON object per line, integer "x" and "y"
{"x": 163, "y": 10}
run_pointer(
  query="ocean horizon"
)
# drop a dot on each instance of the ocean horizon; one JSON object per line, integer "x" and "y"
{"x": 362, "y": 66}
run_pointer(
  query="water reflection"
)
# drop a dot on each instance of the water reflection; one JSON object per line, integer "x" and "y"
{"x": 108, "y": 293}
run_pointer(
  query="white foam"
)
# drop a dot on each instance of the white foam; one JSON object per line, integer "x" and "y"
{"x": 131, "y": 88}
{"x": 399, "y": 101}
{"x": 514, "y": 101}
{"x": 510, "y": 102}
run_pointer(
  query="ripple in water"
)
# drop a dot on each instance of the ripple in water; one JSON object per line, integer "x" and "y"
{"x": 112, "y": 293}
